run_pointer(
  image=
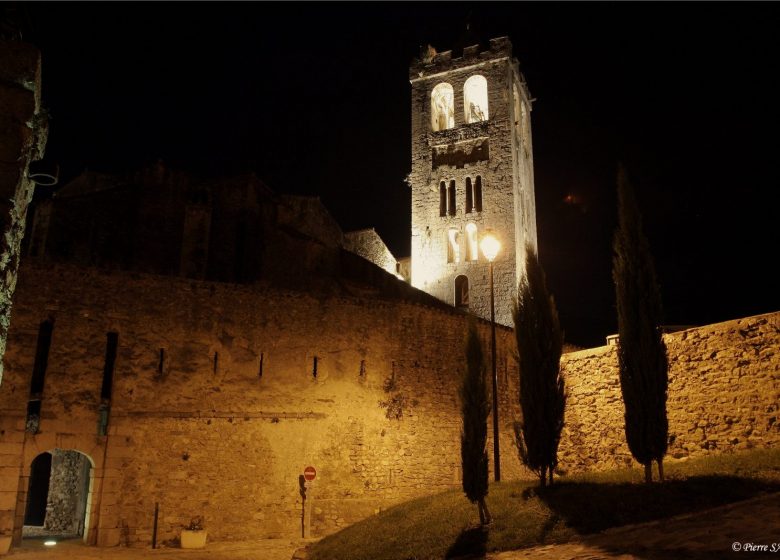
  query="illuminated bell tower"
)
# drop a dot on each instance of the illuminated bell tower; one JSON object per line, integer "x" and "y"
{"x": 472, "y": 173}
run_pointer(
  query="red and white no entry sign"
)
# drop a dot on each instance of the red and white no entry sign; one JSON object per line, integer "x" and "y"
{"x": 309, "y": 473}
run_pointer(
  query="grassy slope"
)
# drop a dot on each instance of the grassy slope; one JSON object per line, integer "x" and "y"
{"x": 444, "y": 525}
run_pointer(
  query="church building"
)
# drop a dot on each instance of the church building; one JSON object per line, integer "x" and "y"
{"x": 472, "y": 176}
{"x": 189, "y": 345}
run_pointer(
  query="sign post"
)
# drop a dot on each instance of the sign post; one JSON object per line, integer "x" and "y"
{"x": 309, "y": 474}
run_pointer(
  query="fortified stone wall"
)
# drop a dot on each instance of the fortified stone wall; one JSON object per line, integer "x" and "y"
{"x": 724, "y": 390}
{"x": 222, "y": 394}
{"x": 368, "y": 244}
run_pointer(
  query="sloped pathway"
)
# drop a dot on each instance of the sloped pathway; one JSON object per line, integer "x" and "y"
{"x": 732, "y": 531}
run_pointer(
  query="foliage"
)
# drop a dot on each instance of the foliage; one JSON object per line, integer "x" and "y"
{"x": 542, "y": 391}
{"x": 641, "y": 350}
{"x": 475, "y": 409}
{"x": 196, "y": 524}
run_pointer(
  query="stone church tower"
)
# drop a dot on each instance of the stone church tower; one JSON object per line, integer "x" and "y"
{"x": 472, "y": 173}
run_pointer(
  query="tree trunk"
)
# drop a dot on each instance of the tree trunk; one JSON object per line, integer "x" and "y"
{"x": 649, "y": 472}
{"x": 484, "y": 513}
{"x": 551, "y": 476}
{"x": 543, "y": 477}
{"x": 660, "y": 469}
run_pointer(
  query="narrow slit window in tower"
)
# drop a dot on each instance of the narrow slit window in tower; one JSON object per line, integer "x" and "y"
{"x": 472, "y": 250}
{"x": 462, "y": 292}
{"x": 478, "y": 194}
{"x": 442, "y": 199}
{"x": 451, "y": 198}
{"x": 453, "y": 245}
{"x": 469, "y": 196}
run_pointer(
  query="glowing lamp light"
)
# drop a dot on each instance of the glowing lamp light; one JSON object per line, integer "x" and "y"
{"x": 490, "y": 246}
{"x": 49, "y": 543}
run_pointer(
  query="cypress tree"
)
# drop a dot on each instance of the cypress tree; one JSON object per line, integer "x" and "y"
{"x": 475, "y": 409}
{"x": 542, "y": 391}
{"x": 641, "y": 350}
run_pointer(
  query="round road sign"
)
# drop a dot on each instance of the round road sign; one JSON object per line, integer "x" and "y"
{"x": 309, "y": 473}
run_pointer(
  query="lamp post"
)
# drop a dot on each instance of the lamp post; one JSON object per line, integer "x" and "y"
{"x": 490, "y": 247}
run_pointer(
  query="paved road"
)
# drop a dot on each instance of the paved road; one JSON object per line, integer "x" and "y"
{"x": 269, "y": 549}
{"x": 706, "y": 535}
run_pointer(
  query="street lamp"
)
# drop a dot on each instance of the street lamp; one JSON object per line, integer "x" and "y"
{"x": 490, "y": 246}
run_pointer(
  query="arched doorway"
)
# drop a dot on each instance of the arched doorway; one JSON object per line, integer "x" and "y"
{"x": 38, "y": 490}
{"x": 59, "y": 495}
{"x": 462, "y": 292}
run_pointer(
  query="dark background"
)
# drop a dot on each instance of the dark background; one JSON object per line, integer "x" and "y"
{"x": 315, "y": 99}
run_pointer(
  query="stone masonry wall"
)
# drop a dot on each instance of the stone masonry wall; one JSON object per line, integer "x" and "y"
{"x": 23, "y": 130}
{"x": 65, "y": 486}
{"x": 224, "y": 393}
{"x": 370, "y": 246}
{"x": 223, "y": 425}
{"x": 491, "y": 150}
{"x": 724, "y": 395}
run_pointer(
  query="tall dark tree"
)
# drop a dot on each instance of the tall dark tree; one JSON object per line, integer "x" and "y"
{"x": 542, "y": 391}
{"x": 641, "y": 349}
{"x": 475, "y": 409}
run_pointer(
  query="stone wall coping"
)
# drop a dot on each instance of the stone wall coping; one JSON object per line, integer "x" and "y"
{"x": 773, "y": 316}
{"x": 214, "y": 414}
{"x": 176, "y": 282}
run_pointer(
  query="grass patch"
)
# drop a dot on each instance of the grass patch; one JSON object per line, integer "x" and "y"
{"x": 446, "y": 525}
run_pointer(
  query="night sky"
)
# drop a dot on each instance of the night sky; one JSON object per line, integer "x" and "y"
{"x": 315, "y": 99}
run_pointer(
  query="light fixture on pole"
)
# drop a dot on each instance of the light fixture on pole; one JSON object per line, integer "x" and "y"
{"x": 490, "y": 246}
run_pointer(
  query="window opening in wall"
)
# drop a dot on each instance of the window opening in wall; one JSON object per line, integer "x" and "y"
{"x": 475, "y": 99}
{"x": 469, "y": 196}
{"x": 161, "y": 361}
{"x": 112, "y": 340}
{"x": 104, "y": 408}
{"x": 453, "y": 245}
{"x": 314, "y": 368}
{"x": 472, "y": 249}
{"x": 239, "y": 264}
{"x": 442, "y": 199}
{"x": 33, "y": 415}
{"x": 39, "y": 376}
{"x": 478, "y": 194}
{"x": 462, "y": 292}
{"x": 442, "y": 107}
{"x": 451, "y": 197}
{"x": 260, "y": 367}
{"x": 41, "y": 357}
{"x": 216, "y": 361}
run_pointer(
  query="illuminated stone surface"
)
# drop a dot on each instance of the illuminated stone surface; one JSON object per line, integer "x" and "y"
{"x": 23, "y": 135}
{"x": 498, "y": 150}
